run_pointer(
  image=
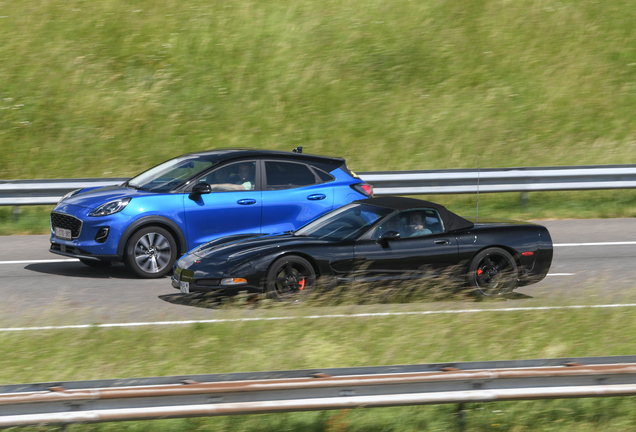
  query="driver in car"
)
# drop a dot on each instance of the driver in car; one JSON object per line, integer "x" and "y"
{"x": 245, "y": 181}
{"x": 417, "y": 224}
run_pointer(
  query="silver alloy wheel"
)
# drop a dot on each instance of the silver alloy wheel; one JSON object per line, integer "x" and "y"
{"x": 152, "y": 252}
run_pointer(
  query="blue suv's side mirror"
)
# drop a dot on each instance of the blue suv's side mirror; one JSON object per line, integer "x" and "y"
{"x": 198, "y": 190}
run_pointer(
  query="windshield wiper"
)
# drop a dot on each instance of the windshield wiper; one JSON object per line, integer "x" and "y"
{"x": 131, "y": 186}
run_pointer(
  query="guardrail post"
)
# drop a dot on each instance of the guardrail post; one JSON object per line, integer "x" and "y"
{"x": 461, "y": 419}
{"x": 15, "y": 213}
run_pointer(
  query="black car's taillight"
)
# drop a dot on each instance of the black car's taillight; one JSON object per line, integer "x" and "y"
{"x": 363, "y": 188}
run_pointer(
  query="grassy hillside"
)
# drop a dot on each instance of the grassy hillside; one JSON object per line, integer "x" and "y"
{"x": 103, "y": 89}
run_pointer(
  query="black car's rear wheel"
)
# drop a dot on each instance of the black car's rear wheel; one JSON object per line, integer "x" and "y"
{"x": 151, "y": 252}
{"x": 290, "y": 278}
{"x": 493, "y": 272}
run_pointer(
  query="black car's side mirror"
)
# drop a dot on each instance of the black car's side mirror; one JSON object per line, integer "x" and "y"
{"x": 389, "y": 235}
{"x": 198, "y": 190}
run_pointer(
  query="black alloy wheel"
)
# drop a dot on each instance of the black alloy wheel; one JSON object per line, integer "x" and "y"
{"x": 493, "y": 272}
{"x": 151, "y": 252}
{"x": 290, "y": 278}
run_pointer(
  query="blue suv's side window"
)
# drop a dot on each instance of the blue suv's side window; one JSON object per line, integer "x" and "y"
{"x": 233, "y": 177}
{"x": 287, "y": 175}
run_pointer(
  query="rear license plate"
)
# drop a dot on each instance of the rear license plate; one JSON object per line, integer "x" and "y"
{"x": 63, "y": 234}
{"x": 185, "y": 287}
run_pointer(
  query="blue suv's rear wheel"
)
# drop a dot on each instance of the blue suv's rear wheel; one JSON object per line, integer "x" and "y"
{"x": 151, "y": 252}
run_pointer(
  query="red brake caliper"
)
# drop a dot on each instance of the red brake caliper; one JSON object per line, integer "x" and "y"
{"x": 479, "y": 272}
{"x": 301, "y": 283}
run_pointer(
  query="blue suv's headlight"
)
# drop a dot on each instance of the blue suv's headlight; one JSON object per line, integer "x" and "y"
{"x": 110, "y": 207}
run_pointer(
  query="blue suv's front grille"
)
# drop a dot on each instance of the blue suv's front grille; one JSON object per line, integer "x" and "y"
{"x": 61, "y": 220}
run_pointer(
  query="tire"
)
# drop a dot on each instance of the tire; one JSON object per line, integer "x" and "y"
{"x": 151, "y": 252}
{"x": 492, "y": 272}
{"x": 95, "y": 263}
{"x": 290, "y": 278}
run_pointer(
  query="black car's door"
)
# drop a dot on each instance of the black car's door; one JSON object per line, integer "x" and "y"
{"x": 405, "y": 257}
{"x": 407, "y": 244}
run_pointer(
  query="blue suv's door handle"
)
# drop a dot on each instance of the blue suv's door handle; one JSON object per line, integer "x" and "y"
{"x": 316, "y": 197}
{"x": 248, "y": 201}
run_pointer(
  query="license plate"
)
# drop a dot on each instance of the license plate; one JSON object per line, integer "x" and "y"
{"x": 185, "y": 287}
{"x": 63, "y": 234}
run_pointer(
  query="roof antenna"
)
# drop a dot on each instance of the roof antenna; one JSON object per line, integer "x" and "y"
{"x": 298, "y": 149}
{"x": 478, "y": 173}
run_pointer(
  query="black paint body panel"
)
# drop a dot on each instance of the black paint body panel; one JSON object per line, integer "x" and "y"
{"x": 360, "y": 259}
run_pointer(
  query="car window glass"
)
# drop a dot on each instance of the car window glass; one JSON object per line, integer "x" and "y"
{"x": 347, "y": 222}
{"x": 390, "y": 224}
{"x": 170, "y": 174}
{"x": 286, "y": 175}
{"x": 416, "y": 223}
{"x": 233, "y": 177}
{"x": 324, "y": 176}
{"x": 412, "y": 223}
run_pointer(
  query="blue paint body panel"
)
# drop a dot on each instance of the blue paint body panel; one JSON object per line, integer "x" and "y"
{"x": 195, "y": 220}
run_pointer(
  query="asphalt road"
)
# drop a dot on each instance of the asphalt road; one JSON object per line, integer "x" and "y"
{"x": 35, "y": 292}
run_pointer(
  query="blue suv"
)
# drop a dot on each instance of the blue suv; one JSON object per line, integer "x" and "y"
{"x": 154, "y": 218}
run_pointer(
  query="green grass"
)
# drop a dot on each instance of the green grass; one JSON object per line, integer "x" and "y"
{"x": 109, "y": 88}
{"x": 101, "y": 89}
{"x": 41, "y": 356}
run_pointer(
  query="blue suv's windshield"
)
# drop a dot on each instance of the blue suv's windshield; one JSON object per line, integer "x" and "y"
{"x": 170, "y": 174}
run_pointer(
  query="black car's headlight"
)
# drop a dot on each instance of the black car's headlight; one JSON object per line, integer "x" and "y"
{"x": 110, "y": 207}
{"x": 70, "y": 194}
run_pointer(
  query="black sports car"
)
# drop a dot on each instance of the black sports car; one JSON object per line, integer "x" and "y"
{"x": 375, "y": 239}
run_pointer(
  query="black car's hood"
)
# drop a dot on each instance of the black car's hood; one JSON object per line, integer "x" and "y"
{"x": 238, "y": 246}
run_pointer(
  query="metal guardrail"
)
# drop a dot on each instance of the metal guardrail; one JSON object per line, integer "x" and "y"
{"x": 40, "y": 192}
{"x": 307, "y": 390}
{"x": 45, "y": 192}
{"x": 528, "y": 179}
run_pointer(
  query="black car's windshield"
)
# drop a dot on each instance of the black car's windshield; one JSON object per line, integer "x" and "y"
{"x": 345, "y": 223}
{"x": 170, "y": 174}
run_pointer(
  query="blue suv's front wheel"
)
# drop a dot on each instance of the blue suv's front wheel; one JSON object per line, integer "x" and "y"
{"x": 151, "y": 252}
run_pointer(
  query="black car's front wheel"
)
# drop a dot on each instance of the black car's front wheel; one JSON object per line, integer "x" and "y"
{"x": 290, "y": 278}
{"x": 151, "y": 252}
{"x": 493, "y": 272}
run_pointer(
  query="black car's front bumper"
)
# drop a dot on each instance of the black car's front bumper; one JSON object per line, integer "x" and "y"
{"x": 210, "y": 284}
